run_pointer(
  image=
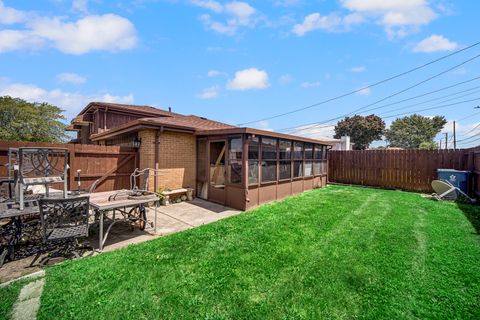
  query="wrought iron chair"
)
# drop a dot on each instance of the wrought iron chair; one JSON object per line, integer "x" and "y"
{"x": 6, "y": 190}
{"x": 38, "y": 166}
{"x": 64, "y": 222}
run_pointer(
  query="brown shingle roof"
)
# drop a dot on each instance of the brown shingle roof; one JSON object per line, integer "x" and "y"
{"x": 193, "y": 122}
{"x": 147, "y": 110}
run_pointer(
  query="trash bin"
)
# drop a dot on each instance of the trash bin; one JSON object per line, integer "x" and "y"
{"x": 458, "y": 178}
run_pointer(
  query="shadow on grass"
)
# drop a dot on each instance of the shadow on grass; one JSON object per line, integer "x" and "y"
{"x": 472, "y": 213}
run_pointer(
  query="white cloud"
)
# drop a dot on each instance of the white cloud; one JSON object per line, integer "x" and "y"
{"x": 215, "y": 6}
{"x": 358, "y": 69}
{"x": 209, "y": 93}
{"x": 285, "y": 79}
{"x": 71, "y": 102}
{"x": 364, "y": 92}
{"x": 331, "y": 23}
{"x": 80, "y": 6}
{"x": 108, "y": 32}
{"x": 286, "y": 3}
{"x": 71, "y": 78}
{"x": 435, "y": 43}
{"x": 264, "y": 125}
{"x": 241, "y": 11}
{"x": 215, "y": 73}
{"x": 10, "y": 15}
{"x": 398, "y": 17}
{"x": 322, "y": 131}
{"x": 11, "y": 40}
{"x": 238, "y": 14}
{"x": 247, "y": 79}
{"x": 308, "y": 84}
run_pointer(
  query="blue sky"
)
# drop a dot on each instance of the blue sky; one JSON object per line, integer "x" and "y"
{"x": 240, "y": 61}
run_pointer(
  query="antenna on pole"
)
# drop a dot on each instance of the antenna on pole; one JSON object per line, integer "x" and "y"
{"x": 446, "y": 140}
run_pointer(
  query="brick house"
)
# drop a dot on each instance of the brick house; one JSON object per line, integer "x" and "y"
{"x": 235, "y": 166}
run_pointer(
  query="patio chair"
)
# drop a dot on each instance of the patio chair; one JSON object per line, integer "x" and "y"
{"x": 6, "y": 190}
{"x": 444, "y": 190}
{"x": 63, "y": 223}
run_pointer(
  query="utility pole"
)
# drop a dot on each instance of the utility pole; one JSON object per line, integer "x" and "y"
{"x": 454, "y": 136}
{"x": 446, "y": 140}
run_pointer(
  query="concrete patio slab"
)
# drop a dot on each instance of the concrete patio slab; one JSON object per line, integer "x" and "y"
{"x": 170, "y": 219}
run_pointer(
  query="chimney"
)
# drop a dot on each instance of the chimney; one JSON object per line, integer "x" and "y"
{"x": 169, "y": 109}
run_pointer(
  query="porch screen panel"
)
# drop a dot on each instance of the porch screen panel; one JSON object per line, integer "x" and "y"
{"x": 269, "y": 159}
{"x": 308, "y": 167}
{"x": 253, "y": 148}
{"x": 320, "y": 160}
{"x": 297, "y": 159}
{"x": 202, "y": 175}
{"x": 235, "y": 151}
{"x": 285, "y": 159}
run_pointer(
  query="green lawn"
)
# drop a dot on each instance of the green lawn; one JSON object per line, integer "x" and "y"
{"x": 8, "y": 296}
{"x": 333, "y": 253}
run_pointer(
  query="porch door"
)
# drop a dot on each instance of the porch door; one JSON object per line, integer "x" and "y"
{"x": 217, "y": 170}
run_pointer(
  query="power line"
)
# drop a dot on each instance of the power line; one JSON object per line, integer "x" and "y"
{"x": 401, "y": 91}
{"x": 426, "y": 101}
{"x": 366, "y": 87}
{"x": 464, "y": 143}
{"x": 432, "y": 108}
{"x": 471, "y": 137}
{"x": 469, "y": 116}
{"x": 392, "y": 103}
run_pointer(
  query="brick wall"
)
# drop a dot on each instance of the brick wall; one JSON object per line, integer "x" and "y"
{"x": 177, "y": 158}
{"x": 147, "y": 153}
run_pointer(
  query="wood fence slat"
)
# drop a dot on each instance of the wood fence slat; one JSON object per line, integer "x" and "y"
{"x": 411, "y": 170}
{"x": 113, "y": 164}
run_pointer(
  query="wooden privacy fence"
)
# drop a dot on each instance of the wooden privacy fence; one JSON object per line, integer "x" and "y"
{"x": 411, "y": 170}
{"x": 111, "y": 164}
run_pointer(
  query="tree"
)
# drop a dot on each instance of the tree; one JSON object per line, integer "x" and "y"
{"x": 24, "y": 121}
{"x": 362, "y": 130}
{"x": 428, "y": 145}
{"x": 411, "y": 131}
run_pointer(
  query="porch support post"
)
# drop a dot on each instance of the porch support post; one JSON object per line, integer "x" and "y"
{"x": 245, "y": 169}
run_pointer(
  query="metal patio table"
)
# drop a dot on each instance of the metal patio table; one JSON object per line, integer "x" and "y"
{"x": 104, "y": 202}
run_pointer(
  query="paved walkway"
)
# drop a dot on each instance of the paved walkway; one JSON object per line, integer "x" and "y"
{"x": 170, "y": 219}
{"x": 28, "y": 302}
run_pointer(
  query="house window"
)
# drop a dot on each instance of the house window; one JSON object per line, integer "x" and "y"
{"x": 297, "y": 159}
{"x": 235, "y": 151}
{"x": 253, "y": 145}
{"x": 285, "y": 159}
{"x": 269, "y": 159}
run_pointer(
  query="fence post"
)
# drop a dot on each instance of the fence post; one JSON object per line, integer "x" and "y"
{"x": 71, "y": 162}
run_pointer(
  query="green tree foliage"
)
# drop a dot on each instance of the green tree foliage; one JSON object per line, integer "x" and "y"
{"x": 24, "y": 121}
{"x": 428, "y": 145}
{"x": 411, "y": 131}
{"x": 362, "y": 130}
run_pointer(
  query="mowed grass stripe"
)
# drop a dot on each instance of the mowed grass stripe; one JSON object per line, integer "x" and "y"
{"x": 338, "y": 252}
